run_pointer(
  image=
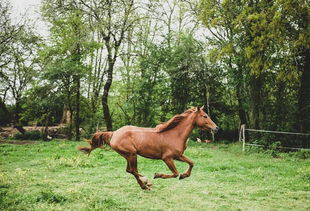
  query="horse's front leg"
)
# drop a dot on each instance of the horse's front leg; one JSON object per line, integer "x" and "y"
{"x": 170, "y": 163}
{"x": 189, "y": 170}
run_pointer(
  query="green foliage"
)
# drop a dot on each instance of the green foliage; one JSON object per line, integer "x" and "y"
{"x": 252, "y": 68}
{"x": 29, "y": 135}
{"x": 256, "y": 42}
{"x": 186, "y": 65}
{"x": 152, "y": 92}
{"x": 301, "y": 154}
{"x": 18, "y": 63}
{"x": 167, "y": 80}
{"x": 42, "y": 104}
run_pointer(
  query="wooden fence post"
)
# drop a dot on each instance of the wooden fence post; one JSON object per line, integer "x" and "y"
{"x": 242, "y": 133}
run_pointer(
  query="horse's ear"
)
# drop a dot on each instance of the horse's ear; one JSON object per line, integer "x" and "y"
{"x": 197, "y": 109}
{"x": 202, "y": 107}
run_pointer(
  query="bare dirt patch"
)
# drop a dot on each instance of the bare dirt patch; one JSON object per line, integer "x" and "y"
{"x": 54, "y": 131}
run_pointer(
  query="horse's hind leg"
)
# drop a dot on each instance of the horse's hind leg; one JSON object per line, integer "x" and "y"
{"x": 170, "y": 163}
{"x": 189, "y": 170}
{"x": 133, "y": 169}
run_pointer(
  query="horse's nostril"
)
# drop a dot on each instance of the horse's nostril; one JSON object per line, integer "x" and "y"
{"x": 216, "y": 129}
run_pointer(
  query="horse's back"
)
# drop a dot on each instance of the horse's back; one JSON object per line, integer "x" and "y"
{"x": 131, "y": 132}
{"x": 132, "y": 139}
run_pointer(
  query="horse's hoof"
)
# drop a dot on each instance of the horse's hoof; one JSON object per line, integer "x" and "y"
{"x": 182, "y": 176}
{"x": 146, "y": 187}
{"x": 156, "y": 175}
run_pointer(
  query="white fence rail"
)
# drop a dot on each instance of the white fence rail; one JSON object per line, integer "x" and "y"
{"x": 242, "y": 137}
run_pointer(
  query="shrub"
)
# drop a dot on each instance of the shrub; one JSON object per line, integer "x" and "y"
{"x": 28, "y": 135}
{"x": 302, "y": 154}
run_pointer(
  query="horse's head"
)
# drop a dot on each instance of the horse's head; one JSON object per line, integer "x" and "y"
{"x": 204, "y": 122}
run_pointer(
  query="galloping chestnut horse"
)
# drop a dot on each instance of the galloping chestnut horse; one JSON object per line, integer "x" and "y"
{"x": 167, "y": 141}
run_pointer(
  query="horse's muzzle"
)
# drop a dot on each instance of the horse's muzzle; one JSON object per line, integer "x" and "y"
{"x": 215, "y": 130}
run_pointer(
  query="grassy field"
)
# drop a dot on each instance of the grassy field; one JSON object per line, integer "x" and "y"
{"x": 55, "y": 176}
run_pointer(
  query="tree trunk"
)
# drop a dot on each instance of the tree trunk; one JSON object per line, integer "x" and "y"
{"x": 20, "y": 128}
{"x": 17, "y": 112}
{"x": 304, "y": 95}
{"x": 45, "y": 131}
{"x": 105, "y": 105}
{"x": 239, "y": 92}
{"x": 5, "y": 119}
{"x": 280, "y": 104}
{"x": 93, "y": 114}
{"x": 240, "y": 99}
{"x": 77, "y": 113}
{"x": 65, "y": 115}
{"x": 70, "y": 123}
{"x": 256, "y": 86}
{"x": 17, "y": 123}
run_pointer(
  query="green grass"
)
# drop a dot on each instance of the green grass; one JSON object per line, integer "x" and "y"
{"x": 55, "y": 176}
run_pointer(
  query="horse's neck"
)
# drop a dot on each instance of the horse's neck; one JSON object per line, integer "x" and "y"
{"x": 185, "y": 128}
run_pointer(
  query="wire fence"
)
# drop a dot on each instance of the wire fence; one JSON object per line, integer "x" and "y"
{"x": 243, "y": 138}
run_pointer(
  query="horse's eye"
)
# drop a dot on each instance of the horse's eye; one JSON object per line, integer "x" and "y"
{"x": 205, "y": 116}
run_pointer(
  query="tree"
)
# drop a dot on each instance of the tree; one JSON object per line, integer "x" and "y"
{"x": 255, "y": 41}
{"x": 21, "y": 70}
{"x": 292, "y": 20}
{"x": 112, "y": 19}
{"x": 65, "y": 58}
{"x": 152, "y": 93}
{"x": 10, "y": 35}
{"x": 227, "y": 44}
{"x": 95, "y": 78}
{"x": 42, "y": 104}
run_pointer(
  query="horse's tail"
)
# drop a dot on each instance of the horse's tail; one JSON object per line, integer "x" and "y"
{"x": 98, "y": 140}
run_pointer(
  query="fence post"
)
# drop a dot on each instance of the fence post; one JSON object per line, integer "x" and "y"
{"x": 240, "y": 133}
{"x": 243, "y": 137}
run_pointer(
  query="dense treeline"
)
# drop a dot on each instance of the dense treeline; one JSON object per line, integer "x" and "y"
{"x": 111, "y": 63}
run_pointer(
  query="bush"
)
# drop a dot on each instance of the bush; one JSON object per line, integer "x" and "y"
{"x": 302, "y": 154}
{"x": 274, "y": 148}
{"x": 28, "y": 135}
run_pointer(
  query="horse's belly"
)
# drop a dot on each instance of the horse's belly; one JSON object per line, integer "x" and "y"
{"x": 149, "y": 146}
{"x": 150, "y": 154}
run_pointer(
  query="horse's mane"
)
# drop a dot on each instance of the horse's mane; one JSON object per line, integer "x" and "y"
{"x": 173, "y": 122}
